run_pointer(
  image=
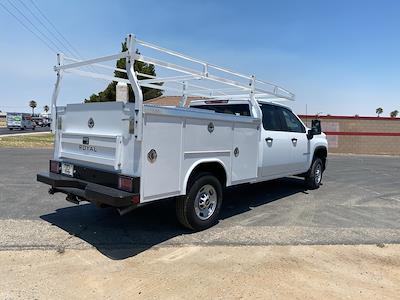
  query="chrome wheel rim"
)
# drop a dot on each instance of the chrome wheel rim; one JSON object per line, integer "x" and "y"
{"x": 318, "y": 173}
{"x": 205, "y": 202}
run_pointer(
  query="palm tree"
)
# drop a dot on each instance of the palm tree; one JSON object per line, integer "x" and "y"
{"x": 33, "y": 105}
{"x": 379, "y": 110}
{"x": 394, "y": 113}
{"x": 46, "y": 108}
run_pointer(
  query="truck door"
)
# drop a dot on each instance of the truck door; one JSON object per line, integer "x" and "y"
{"x": 275, "y": 144}
{"x": 299, "y": 143}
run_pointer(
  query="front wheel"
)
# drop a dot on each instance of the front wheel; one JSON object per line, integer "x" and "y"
{"x": 313, "y": 177}
{"x": 199, "y": 209}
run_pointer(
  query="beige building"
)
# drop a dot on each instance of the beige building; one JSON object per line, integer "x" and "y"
{"x": 361, "y": 135}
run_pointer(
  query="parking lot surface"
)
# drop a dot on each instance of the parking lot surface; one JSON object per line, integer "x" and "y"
{"x": 359, "y": 203}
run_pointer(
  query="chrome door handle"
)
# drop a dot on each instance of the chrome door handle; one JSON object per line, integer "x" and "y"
{"x": 294, "y": 140}
{"x": 269, "y": 139}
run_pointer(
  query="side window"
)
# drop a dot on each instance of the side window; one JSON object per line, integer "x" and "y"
{"x": 291, "y": 122}
{"x": 270, "y": 118}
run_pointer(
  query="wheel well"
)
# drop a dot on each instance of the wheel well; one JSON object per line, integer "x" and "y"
{"x": 214, "y": 168}
{"x": 321, "y": 153}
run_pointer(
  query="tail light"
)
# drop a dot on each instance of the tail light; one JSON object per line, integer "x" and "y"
{"x": 136, "y": 199}
{"x": 125, "y": 183}
{"x": 55, "y": 166}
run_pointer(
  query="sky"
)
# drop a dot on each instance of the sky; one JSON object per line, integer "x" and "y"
{"x": 338, "y": 57}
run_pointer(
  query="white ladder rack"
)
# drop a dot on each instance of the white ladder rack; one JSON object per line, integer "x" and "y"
{"x": 191, "y": 77}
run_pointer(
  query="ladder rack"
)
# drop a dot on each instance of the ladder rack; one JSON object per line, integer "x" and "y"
{"x": 184, "y": 75}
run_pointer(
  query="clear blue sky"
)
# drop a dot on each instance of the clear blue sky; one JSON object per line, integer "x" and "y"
{"x": 338, "y": 57}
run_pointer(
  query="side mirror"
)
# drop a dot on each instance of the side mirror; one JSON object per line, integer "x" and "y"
{"x": 310, "y": 134}
{"x": 315, "y": 129}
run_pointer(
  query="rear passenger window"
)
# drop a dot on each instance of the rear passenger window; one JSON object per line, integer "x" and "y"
{"x": 270, "y": 118}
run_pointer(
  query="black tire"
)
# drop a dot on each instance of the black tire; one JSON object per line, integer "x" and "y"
{"x": 34, "y": 127}
{"x": 186, "y": 206}
{"x": 313, "y": 177}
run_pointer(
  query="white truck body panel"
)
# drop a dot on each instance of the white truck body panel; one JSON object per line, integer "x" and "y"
{"x": 182, "y": 141}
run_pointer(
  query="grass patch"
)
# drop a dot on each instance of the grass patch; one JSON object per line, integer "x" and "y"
{"x": 44, "y": 140}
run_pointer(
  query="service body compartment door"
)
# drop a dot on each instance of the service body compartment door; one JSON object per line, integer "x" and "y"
{"x": 245, "y": 149}
{"x": 161, "y": 156}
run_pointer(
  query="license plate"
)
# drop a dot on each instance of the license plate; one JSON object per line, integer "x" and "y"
{"x": 67, "y": 169}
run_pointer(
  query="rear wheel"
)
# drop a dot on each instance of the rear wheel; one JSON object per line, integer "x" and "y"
{"x": 199, "y": 209}
{"x": 313, "y": 177}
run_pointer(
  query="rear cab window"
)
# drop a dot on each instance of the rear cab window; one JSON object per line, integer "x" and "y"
{"x": 231, "y": 109}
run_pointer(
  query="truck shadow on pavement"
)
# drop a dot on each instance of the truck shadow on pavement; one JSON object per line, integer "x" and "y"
{"x": 120, "y": 237}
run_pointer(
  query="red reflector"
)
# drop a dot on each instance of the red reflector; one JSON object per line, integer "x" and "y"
{"x": 125, "y": 183}
{"x": 55, "y": 166}
{"x": 136, "y": 199}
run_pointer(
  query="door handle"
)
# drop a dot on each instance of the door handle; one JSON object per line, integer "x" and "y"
{"x": 269, "y": 139}
{"x": 294, "y": 140}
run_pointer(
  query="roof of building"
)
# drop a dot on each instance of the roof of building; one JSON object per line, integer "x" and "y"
{"x": 169, "y": 100}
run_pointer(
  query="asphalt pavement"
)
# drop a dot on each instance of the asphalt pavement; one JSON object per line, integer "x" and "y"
{"x": 358, "y": 203}
{"x": 5, "y": 131}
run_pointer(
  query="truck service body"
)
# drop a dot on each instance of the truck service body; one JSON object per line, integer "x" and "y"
{"x": 127, "y": 154}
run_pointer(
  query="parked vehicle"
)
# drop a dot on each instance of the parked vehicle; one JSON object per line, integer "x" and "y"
{"x": 20, "y": 121}
{"x": 126, "y": 155}
{"x": 42, "y": 121}
{"x": 38, "y": 121}
{"x": 46, "y": 122}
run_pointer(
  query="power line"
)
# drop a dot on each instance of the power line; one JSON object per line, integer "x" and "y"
{"x": 55, "y": 28}
{"x": 45, "y": 27}
{"x": 27, "y": 28}
{"x": 34, "y": 26}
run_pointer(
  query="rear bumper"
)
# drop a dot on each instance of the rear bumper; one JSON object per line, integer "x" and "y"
{"x": 96, "y": 193}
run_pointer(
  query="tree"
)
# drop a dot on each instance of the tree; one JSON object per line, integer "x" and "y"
{"x": 33, "y": 105}
{"x": 394, "y": 113}
{"x": 379, "y": 110}
{"x": 46, "y": 108}
{"x": 109, "y": 93}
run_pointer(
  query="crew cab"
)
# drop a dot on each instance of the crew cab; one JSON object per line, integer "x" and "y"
{"x": 126, "y": 154}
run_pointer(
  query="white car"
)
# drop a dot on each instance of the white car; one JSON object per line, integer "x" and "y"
{"x": 128, "y": 154}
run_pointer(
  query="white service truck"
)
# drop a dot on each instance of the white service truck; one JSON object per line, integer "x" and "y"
{"x": 127, "y": 154}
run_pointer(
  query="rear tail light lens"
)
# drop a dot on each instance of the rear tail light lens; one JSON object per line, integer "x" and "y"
{"x": 55, "y": 166}
{"x": 125, "y": 183}
{"x": 136, "y": 199}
